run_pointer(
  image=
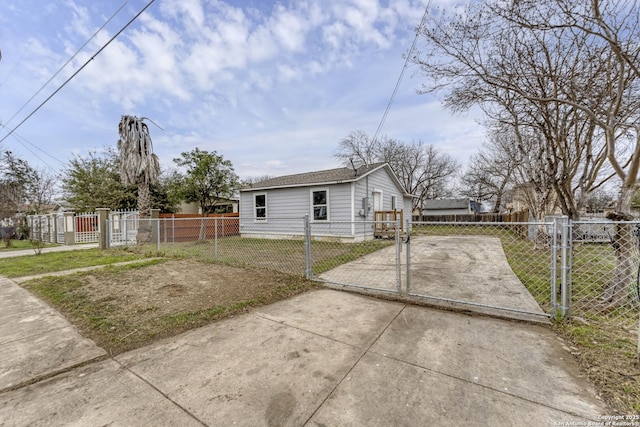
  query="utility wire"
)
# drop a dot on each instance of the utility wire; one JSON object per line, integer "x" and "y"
{"x": 404, "y": 67}
{"x": 68, "y": 61}
{"x": 78, "y": 71}
{"x": 20, "y": 140}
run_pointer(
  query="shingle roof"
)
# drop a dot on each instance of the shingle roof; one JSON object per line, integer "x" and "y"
{"x": 319, "y": 177}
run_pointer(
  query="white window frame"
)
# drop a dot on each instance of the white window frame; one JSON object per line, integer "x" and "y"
{"x": 312, "y": 206}
{"x": 256, "y": 218}
{"x": 394, "y": 203}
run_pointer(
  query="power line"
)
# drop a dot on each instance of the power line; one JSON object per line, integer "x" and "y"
{"x": 78, "y": 71}
{"x": 404, "y": 67}
{"x": 68, "y": 61}
{"x": 24, "y": 141}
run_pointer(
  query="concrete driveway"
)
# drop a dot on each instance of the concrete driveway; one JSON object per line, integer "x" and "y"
{"x": 326, "y": 357}
{"x": 468, "y": 272}
{"x": 323, "y": 358}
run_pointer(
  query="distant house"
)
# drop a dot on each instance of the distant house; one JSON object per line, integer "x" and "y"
{"x": 221, "y": 206}
{"x": 341, "y": 203}
{"x": 460, "y": 206}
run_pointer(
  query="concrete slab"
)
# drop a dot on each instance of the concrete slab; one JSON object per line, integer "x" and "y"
{"x": 521, "y": 360}
{"x": 349, "y": 318}
{"x": 376, "y": 270}
{"x": 36, "y": 340}
{"x": 16, "y": 299}
{"x": 381, "y": 391}
{"x": 247, "y": 371}
{"x": 100, "y": 394}
{"x": 323, "y": 358}
{"x": 467, "y": 268}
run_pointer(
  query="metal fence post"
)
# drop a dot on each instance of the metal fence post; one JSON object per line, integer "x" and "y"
{"x": 554, "y": 268}
{"x": 408, "y": 243}
{"x": 215, "y": 238}
{"x": 398, "y": 256}
{"x": 164, "y": 226}
{"x": 565, "y": 275}
{"x": 308, "y": 270}
{"x": 158, "y": 232}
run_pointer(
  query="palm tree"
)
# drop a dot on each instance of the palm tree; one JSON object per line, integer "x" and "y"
{"x": 138, "y": 166}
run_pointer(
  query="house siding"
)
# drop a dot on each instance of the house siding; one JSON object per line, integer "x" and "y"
{"x": 345, "y": 204}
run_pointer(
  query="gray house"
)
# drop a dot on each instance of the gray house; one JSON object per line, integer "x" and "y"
{"x": 461, "y": 206}
{"x": 344, "y": 203}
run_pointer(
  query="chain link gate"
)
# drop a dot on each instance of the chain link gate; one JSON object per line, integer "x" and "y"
{"x": 499, "y": 268}
{"x": 367, "y": 262}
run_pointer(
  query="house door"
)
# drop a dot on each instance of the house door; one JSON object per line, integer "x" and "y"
{"x": 377, "y": 201}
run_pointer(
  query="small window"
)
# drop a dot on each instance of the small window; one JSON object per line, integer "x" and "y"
{"x": 260, "y": 203}
{"x": 393, "y": 203}
{"x": 320, "y": 205}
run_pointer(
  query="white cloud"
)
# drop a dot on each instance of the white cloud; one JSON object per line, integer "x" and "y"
{"x": 288, "y": 28}
{"x": 80, "y": 21}
{"x": 273, "y": 88}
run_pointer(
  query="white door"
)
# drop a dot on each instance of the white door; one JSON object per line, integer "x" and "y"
{"x": 377, "y": 201}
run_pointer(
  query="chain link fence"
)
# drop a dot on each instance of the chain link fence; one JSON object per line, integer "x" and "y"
{"x": 485, "y": 263}
{"x": 605, "y": 271}
{"x": 357, "y": 254}
{"x": 223, "y": 240}
{"x": 597, "y": 260}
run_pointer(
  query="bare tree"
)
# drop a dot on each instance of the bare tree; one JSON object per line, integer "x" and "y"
{"x": 491, "y": 172}
{"x": 250, "y": 180}
{"x": 424, "y": 171}
{"x": 570, "y": 71}
{"x": 611, "y": 34}
{"x": 522, "y": 78}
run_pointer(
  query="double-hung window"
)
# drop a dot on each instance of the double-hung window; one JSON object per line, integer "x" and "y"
{"x": 260, "y": 206}
{"x": 320, "y": 205}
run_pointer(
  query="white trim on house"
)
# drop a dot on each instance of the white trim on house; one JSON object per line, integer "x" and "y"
{"x": 256, "y": 218}
{"x": 312, "y": 206}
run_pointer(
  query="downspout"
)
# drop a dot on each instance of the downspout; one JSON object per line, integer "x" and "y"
{"x": 366, "y": 207}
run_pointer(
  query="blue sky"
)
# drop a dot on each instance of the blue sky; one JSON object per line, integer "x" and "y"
{"x": 271, "y": 86}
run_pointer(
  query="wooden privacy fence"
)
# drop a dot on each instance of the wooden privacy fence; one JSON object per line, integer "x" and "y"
{"x": 521, "y": 216}
{"x": 518, "y": 218}
{"x": 189, "y": 227}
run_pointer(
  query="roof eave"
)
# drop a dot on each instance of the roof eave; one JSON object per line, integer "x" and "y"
{"x": 309, "y": 184}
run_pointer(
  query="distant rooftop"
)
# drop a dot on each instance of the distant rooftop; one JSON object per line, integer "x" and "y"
{"x": 434, "y": 204}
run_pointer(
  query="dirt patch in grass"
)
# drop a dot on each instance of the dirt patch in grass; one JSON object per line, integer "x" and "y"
{"x": 122, "y": 308}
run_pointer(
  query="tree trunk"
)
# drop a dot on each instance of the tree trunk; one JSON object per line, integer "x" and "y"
{"x": 144, "y": 210}
{"x": 626, "y": 252}
{"x": 203, "y": 228}
{"x": 203, "y": 222}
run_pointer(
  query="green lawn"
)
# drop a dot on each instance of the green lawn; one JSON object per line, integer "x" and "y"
{"x": 29, "y": 265}
{"x": 16, "y": 245}
{"x": 283, "y": 255}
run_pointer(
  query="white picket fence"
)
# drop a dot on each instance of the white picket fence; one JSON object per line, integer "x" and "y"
{"x": 122, "y": 224}
{"x": 123, "y": 227}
